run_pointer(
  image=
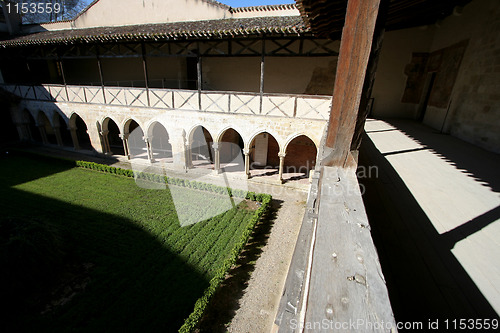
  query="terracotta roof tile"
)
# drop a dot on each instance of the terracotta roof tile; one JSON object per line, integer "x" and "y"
{"x": 177, "y": 30}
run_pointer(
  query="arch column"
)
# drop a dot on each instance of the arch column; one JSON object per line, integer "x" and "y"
{"x": 24, "y": 131}
{"x": 43, "y": 134}
{"x": 246, "y": 152}
{"x": 124, "y": 138}
{"x": 189, "y": 156}
{"x": 57, "y": 132}
{"x": 74, "y": 138}
{"x": 281, "y": 155}
{"x": 216, "y": 147}
{"x": 149, "y": 149}
{"x": 107, "y": 149}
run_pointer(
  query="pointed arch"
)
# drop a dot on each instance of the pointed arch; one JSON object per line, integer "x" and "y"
{"x": 31, "y": 124}
{"x": 46, "y": 126}
{"x": 231, "y": 147}
{"x": 159, "y": 141}
{"x": 301, "y": 154}
{"x": 112, "y": 135}
{"x": 81, "y": 138}
{"x": 60, "y": 125}
{"x": 201, "y": 152}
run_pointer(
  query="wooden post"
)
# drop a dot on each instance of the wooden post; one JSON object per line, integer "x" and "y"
{"x": 100, "y": 75}
{"x": 262, "y": 66}
{"x": 355, "y": 47}
{"x": 378, "y": 37}
{"x": 63, "y": 77}
{"x": 145, "y": 68}
{"x": 199, "y": 70}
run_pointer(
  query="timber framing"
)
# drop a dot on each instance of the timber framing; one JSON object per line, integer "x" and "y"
{"x": 304, "y": 46}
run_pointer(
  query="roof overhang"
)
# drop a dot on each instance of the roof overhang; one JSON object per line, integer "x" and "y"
{"x": 326, "y": 17}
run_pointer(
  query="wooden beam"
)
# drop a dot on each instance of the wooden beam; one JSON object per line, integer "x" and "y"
{"x": 200, "y": 74}
{"x": 262, "y": 67}
{"x": 355, "y": 47}
{"x": 364, "y": 105}
{"x": 145, "y": 69}
{"x": 100, "y": 75}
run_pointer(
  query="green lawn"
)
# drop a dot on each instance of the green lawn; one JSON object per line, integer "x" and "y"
{"x": 146, "y": 271}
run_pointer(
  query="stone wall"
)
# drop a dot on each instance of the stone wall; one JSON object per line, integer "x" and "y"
{"x": 180, "y": 124}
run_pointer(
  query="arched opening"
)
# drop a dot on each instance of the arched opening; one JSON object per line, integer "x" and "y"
{"x": 300, "y": 158}
{"x": 33, "y": 132}
{"x": 231, "y": 151}
{"x": 81, "y": 132}
{"x": 160, "y": 143}
{"x": 136, "y": 145}
{"x": 46, "y": 126}
{"x": 112, "y": 132}
{"x": 202, "y": 153}
{"x": 264, "y": 159}
{"x": 63, "y": 130}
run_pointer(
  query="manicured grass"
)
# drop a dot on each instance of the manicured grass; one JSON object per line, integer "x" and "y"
{"x": 146, "y": 270}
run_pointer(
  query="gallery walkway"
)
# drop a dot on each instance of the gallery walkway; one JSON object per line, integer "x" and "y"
{"x": 434, "y": 209}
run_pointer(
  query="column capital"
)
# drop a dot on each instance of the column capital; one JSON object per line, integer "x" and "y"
{"x": 104, "y": 132}
{"x": 215, "y": 146}
{"x": 281, "y": 155}
{"x": 246, "y": 151}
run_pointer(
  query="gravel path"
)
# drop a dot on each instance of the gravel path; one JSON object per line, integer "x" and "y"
{"x": 259, "y": 303}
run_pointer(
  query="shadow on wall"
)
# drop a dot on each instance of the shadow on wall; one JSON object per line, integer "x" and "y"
{"x": 424, "y": 278}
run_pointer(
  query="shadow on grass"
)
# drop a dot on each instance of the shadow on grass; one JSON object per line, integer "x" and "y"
{"x": 224, "y": 304}
{"x": 133, "y": 282}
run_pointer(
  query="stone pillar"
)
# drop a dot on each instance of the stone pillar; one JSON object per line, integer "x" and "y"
{"x": 246, "y": 152}
{"x": 149, "y": 149}
{"x": 282, "y": 162}
{"x": 215, "y": 147}
{"x": 43, "y": 134}
{"x": 57, "y": 132}
{"x": 24, "y": 131}
{"x": 189, "y": 156}
{"x": 124, "y": 138}
{"x": 105, "y": 143}
{"x": 74, "y": 138}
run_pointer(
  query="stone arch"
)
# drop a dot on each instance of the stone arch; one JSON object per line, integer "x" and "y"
{"x": 230, "y": 146}
{"x": 31, "y": 127}
{"x": 201, "y": 153}
{"x": 125, "y": 126}
{"x": 79, "y": 132}
{"x": 134, "y": 138}
{"x": 159, "y": 141}
{"x": 111, "y": 135}
{"x": 301, "y": 153}
{"x": 218, "y": 137}
{"x": 296, "y": 135}
{"x": 61, "y": 129}
{"x": 263, "y": 152}
{"x": 47, "y": 131}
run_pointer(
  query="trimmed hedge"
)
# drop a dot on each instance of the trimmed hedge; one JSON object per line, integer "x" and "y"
{"x": 201, "y": 304}
{"x": 173, "y": 181}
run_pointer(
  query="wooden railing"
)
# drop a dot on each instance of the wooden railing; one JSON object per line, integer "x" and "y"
{"x": 281, "y": 105}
